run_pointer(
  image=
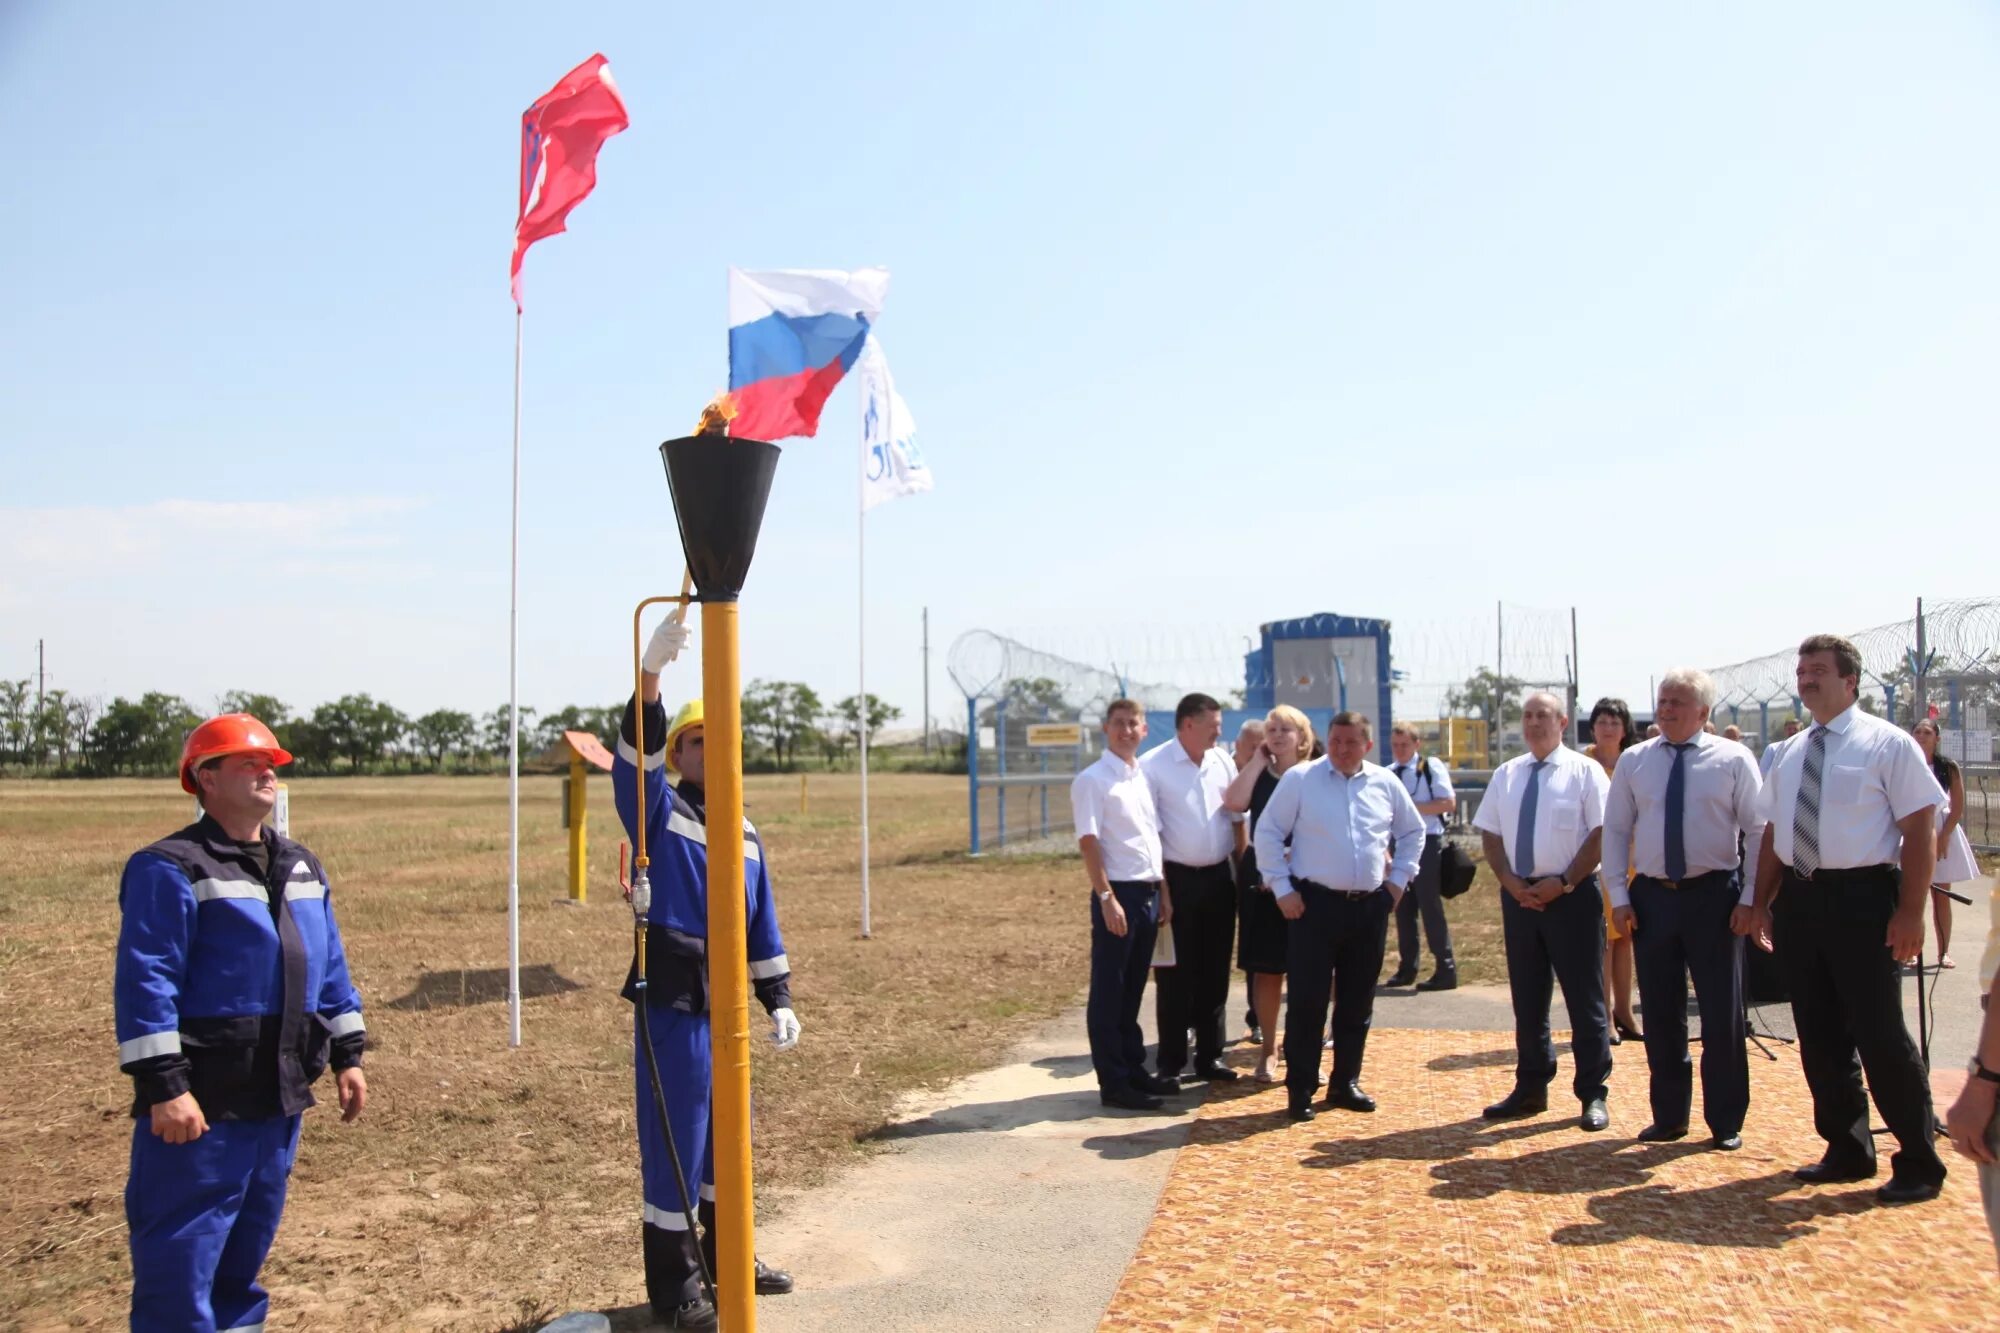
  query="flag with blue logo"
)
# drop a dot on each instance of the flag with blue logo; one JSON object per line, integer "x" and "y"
{"x": 891, "y": 463}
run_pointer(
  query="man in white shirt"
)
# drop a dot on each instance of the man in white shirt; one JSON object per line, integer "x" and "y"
{"x": 1847, "y": 859}
{"x": 1430, "y": 787}
{"x": 1198, "y": 835}
{"x": 1322, "y": 843}
{"x": 1681, "y": 807}
{"x": 1541, "y": 822}
{"x": 1117, "y": 830}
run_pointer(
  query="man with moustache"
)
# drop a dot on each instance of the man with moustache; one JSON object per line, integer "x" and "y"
{"x": 1843, "y": 879}
{"x": 1541, "y": 824}
{"x": 1679, "y": 810}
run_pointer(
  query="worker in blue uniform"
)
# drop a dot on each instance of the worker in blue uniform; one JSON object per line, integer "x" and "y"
{"x": 232, "y": 997}
{"x": 677, "y": 1000}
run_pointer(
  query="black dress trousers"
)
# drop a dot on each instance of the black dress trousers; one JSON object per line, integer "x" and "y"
{"x": 1194, "y": 992}
{"x": 1335, "y": 953}
{"x": 1563, "y": 943}
{"x": 1831, "y": 934}
{"x": 1684, "y": 932}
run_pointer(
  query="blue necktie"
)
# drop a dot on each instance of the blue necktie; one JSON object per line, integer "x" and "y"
{"x": 1524, "y": 832}
{"x": 1677, "y": 857}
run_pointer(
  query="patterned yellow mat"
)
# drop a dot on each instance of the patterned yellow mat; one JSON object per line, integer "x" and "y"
{"x": 1424, "y": 1216}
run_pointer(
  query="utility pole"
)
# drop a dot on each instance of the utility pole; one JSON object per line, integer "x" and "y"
{"x": 927, "y": 680}
{"x": 41, "y": 680}
{"x": 1575, "y": 668}
{"x": 1918, "y": 704}
{"x": 1499, "y": 672}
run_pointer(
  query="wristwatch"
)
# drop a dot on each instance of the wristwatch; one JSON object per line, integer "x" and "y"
{"x": 1979, "y": 1070}
{"x": 1105, "y": 896}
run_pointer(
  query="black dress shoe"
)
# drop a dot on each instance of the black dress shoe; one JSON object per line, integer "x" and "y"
{"x": 1348, "y": 1096}
{"x": 1402, "y": 977}
{"x": 1520, "y": 1102}
{"x": 1129, "y": 1099}
{"x": 1216, "y": 1074}
{"x": 1159, "y": 1087}
{"x": 1440, "y": 981}
{"x": 1658, "y": 1133}
{"x": 1627, "y": 1031}
{"x": 1299, "y": 1113}
{"x": 1596, "y": 1115}
{"x": 697, "y": 1313}
{"x": 772, "y": 1281}
{"x": 1833, "y": 1173}
{"x": 1726, "y": 1142}
{"x": 1908, "y": 1191}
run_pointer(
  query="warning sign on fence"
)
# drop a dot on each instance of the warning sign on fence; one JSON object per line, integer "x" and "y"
{"x": 1055, "y": 735}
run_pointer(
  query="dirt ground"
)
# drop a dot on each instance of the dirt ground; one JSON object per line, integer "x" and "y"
{"x": 487, "y": 1186}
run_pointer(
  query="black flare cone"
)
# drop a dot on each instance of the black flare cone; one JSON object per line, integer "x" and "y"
{"x": 720, "y": 486}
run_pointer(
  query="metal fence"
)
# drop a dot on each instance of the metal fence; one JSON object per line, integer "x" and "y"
{"x": 1031, "y": 726}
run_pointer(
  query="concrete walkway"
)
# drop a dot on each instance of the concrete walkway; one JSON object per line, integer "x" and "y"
{"x": 1013, "y": 1197}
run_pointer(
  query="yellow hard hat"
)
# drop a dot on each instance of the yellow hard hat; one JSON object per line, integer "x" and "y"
{"x": 689, "y": 716}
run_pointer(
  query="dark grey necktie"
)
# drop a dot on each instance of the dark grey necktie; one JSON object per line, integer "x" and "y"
{"x": 1805, "y": 814}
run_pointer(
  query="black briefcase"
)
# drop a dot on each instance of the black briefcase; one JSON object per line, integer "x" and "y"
{"x": 1455, "y": 869}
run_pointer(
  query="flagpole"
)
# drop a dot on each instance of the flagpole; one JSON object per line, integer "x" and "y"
{"x": 514, "y": 722}
{"x": 861, "y": 641}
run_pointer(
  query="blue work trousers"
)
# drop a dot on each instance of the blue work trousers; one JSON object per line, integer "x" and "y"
{"x": 202, "y": 1216}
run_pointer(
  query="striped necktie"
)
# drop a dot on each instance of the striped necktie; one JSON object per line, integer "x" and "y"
{"x": 1805, "y": 815}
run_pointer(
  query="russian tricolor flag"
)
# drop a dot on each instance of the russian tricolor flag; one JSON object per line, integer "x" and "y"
{"x": 792, "y": 334}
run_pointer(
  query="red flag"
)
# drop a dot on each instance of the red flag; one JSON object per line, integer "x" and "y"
{"x": 560, "y": 136}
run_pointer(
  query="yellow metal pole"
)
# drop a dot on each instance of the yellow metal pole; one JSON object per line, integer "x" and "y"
{"x": 576, "y": 794}
{"x": 729, "y": 967}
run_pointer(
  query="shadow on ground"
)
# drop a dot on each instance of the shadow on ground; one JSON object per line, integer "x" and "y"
{"x": 461, "y": 987}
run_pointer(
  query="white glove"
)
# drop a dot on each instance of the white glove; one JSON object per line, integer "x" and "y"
{"x": 784, "y": 1029}
{"x": 666, "y": 645}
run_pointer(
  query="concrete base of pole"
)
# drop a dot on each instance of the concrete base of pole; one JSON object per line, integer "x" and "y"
{"x": 578, "y": 1321}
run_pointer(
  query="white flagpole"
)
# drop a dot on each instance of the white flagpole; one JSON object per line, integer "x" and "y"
{"x": 514, "y": 723}
{"x": 861, "y": 640}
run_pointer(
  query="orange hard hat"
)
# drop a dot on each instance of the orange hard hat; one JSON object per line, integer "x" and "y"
{"x": 231, "y": 733}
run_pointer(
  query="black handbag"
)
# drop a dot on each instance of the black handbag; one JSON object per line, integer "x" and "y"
{"x": 1456, "y": 869}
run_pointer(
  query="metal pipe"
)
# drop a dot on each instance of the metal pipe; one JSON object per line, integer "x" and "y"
{"x": 729, "y": 967}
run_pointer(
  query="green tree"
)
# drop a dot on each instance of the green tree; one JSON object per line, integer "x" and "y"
{"x": 361, "y": 729}
{"x": 781, "y": 713}
{"x": 1492, "y": 696}
{"x": 845, "y": 720}
{"x": 142, "y": 737}
{"x": 17, "y": 713}
{"x": 266, "y": 708}
{"x": 493, "y": 732}
{"x": 1030, "y": 698}
{"x": 444, "y": 731}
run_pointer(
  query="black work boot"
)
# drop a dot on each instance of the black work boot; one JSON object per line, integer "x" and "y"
{"x": 673, "y": 1284}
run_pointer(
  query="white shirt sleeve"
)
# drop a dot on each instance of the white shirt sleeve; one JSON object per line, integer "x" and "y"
{"x": 1440, "y": 788}
{"x": 1907, "y": 778}
{"x": 1086, "y": 804}
{"x": 1621, "y": 814}
{"x": 1281, "y": 813}
{"x": 1750, "y": 818}
{"x": 1488, "y": 820}
{"x": 1596, "y": 786}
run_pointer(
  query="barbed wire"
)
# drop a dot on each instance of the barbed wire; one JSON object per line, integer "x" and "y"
{"x": 1963, "y": 636}
{"x": 984, "y": 664}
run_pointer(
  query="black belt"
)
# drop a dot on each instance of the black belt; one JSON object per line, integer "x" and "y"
{"x": 1133, "y": 883}
{"x": 1352, "y": 893}
{"x": 1843, "y": 874}
{"x": 1182, "y": 865}
{"x": 1689, "y": 882}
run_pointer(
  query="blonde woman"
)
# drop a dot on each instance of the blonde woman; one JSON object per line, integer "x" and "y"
{"x": 1954, "y": 850}
{"x": 1261, "y": 929}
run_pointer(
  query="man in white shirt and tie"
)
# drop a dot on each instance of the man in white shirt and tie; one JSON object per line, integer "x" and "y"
{"x": 1198, "y": 835}
{"x": 1118, "y": 833}
{"x": 1340, "y": 816}
{"x": 1429, "y": 785}
{"x": 1842, "y": 882}
{"x": 1681, "y": 806}
{"x": 1541, "y": 822}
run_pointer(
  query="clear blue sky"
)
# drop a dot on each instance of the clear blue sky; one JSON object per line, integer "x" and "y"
{"x": 1686, "y": 316}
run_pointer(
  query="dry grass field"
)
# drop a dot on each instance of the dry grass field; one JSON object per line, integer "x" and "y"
{"x": 487, "y": 1185}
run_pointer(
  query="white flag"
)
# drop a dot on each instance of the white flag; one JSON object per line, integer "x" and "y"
{"x": 891, "y": 463}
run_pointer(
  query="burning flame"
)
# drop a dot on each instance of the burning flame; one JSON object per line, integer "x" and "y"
{"x": 715, "y": 418}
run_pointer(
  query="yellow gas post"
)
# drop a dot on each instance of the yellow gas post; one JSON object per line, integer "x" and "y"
{"x": 720, "y": 486}
{"x": 585, "y": 752}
